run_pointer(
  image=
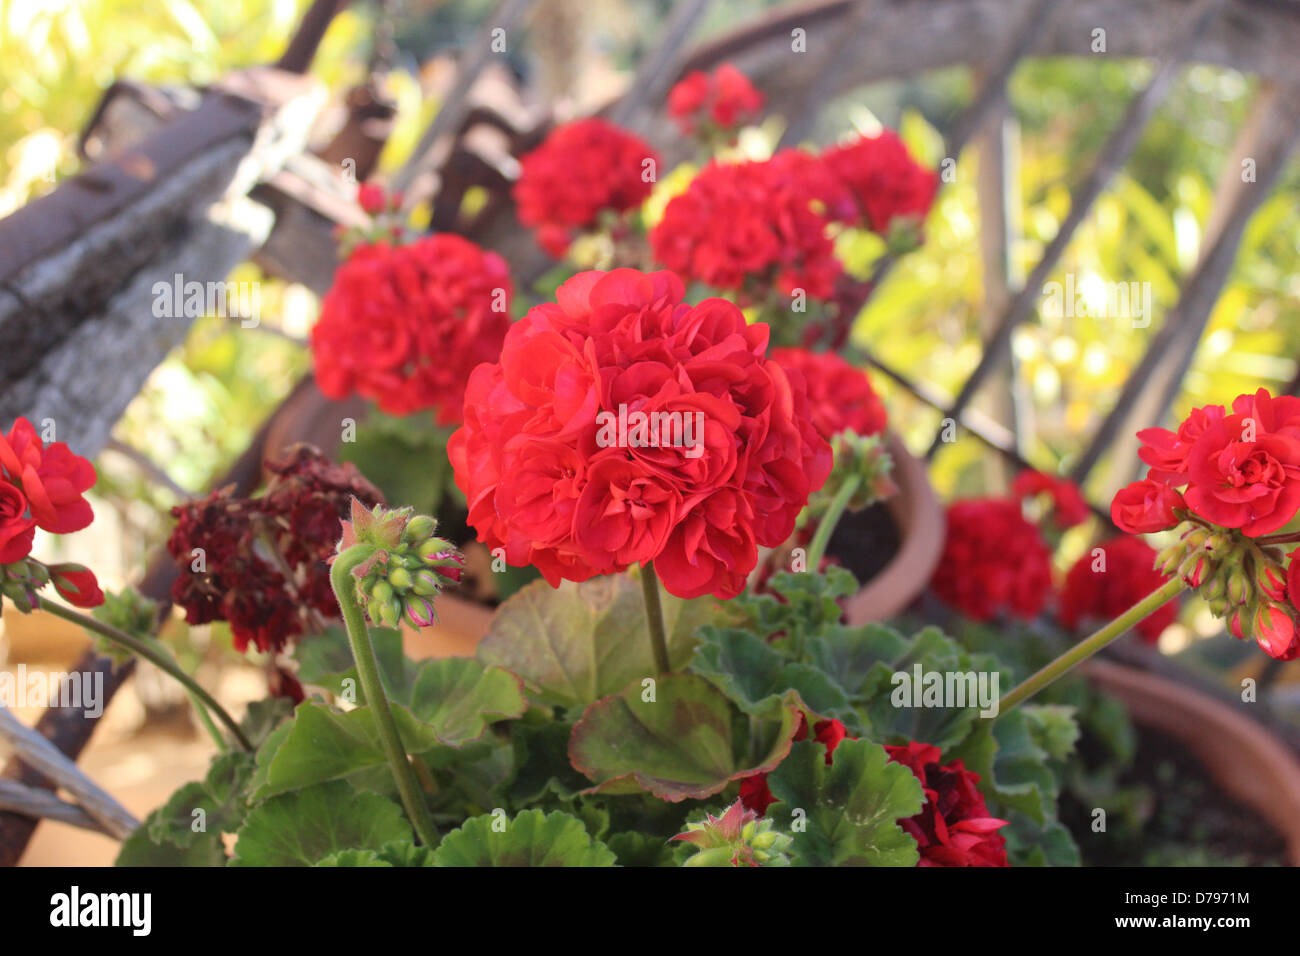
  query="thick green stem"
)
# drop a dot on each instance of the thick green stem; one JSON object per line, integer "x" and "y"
{"x": 345, "y": 590}
{"x": 817, "y": 550}
{"x": 1089, "y": 646}
{"x": 153, "y": 655}
{"x": 654, "y": 613}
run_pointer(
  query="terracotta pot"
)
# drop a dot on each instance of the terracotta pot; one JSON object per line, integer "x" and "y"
{"x": 920, "y": 520}
{"x": 1243, "y": 758}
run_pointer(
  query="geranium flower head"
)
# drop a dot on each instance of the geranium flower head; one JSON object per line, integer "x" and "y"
{"x": 1068, "y": 507}
{"x": 403, "y": 325}
{"x": 581, "y": 170}
{"x": 52, "y": 479}
{"x": 1110, "y": 578}
{"x": 562, "y": 457}
{"x": 881, "y": 182}
{"x": 841, "y": 395}
{"x": 993, "y": 561}
{"x": 722, "y": 100}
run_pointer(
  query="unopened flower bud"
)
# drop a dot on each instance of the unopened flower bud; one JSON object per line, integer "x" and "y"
{"x": 420, "y": 611}
{"x": 418, "y": 529}
{"x": 1239, "y": 590}
{"x": 426, "y": 582}
{"x": 1271, "y": 579}
{"x": 400, "y": 579}
{"x": 1168, "y": 560}
{"x": 1196, "y": 568}
{"x": 1195, "y": 538}
{"x": 1218, "y": 543}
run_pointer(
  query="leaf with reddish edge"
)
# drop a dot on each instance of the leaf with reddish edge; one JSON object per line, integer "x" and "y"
{"x": 678, "y": 746}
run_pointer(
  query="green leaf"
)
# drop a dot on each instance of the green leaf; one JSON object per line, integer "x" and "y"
{"x": 677, "y": 746}
{"x": 352, "y": 858}
{"x": 530, "y": 839}
{"x": 641, "y": 849}
{"x": 448, "y": 702}
{"x": 752, "y": 674}
{"x": 1013, "y": 769}
{"x": 139, "y": 849}
{"x": 217, "y": 805}
{"x": 849, "y": 809}
{"x": 1053, "y": 727}
{"x": 577, "y": 643}
{"x": 301, "y": 828}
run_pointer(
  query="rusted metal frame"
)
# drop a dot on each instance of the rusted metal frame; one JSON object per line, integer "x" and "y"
{"x": 654, "y": 75}
{"x": 302, "y": 48}
{"x": 451, "y": 112}
{"x": 1171, "y": 350}
{"x": 1112, "y": 157}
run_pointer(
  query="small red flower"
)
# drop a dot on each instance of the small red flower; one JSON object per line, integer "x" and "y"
{"x": 1166, "y": 452}
{"x": 1101, "y": 587}
{"x": 841, "y": 395}
{"x": 52, "y": 478}
{"x": 1068, "y": 507}
{"x": 954, "y": 827}
{"x": 1146, "y": 506}
{"x": 77, "y": 585}
{"x": 724, "y": 99}
{"x": 1242, "y": 480}
{"x": 993, "y": 561}
{"x": 582, "y": 169}
{"x": 17, "y": 528}
{"x": 881, "y": 182}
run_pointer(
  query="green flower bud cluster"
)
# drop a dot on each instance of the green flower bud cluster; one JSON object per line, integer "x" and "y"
{"x": 128, "y": 611}
{"x": 20, "y": 581}
{"x": 863, "y": 456}
{"x": 737, "y": 838}
{"x": 408, "y": 567}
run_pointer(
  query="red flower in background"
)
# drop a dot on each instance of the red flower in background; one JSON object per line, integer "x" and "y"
{"x": 1102, "y": 592}
{"x": 752, "y": 226}
{"x": 881, "y": 182}
{"x": 724, "y": 98}
{"x": 52, "y": 478}
{"x": 954, "y": 827}
{"x": 233, "y": 552}
{"x": 581, "y": 170}
{"x": 993, "y": 561}
{"x": 1068, "y": 507}
{"x": 404, "y": 325}
{"x": 548, "y": 479}
{"x": 841, "y": 395}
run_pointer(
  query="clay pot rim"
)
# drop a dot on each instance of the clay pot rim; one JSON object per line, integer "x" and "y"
{"x": 920, "y": 519}
{"x": 1244, "y": 758}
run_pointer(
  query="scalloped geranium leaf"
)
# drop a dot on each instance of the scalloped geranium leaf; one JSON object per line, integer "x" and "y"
{"x": 215, "y": 805}
{"x": 677, "y": 745}
{"x": 752, "y": 673}
{"x": 303, "y": 827}
{"x": 352, "y": 858}
{"x": 577, "y": 643}
{"x": 845, "y": 814}
{"x": 847, "y": 655}
{"x": 1012, "y": 766}
{"x": 533, "y": 838}
{"x": 452, "y": 702}
{"x": 326, "y": 661}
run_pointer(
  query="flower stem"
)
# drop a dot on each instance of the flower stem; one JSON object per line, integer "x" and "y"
{"x": 826, "y": 527}
{"x": 654, "y": 613}
{"x": 153, "y": 655}
{"x": 368, "y": 672}
{"x": 1089, "y": 646}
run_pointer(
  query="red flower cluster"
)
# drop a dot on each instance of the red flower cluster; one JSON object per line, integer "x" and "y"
{"x": 752, "y": 226}
{"x": 754, "y": 792}
{"x": 42, "y": 486}
{"x": 260, "y": 563}
{"x": 881, "y": 182}
{"x": 404, "y": 325}
{"x": 841, "y": 395}
{"x": 954, "y": 827}
{"x": 557, "y": 473}
{"x": 1067, "y": 505}
{"x": 724, "y": 99}
{"x": 582, "y": 169}
{"x": 993, "y": 561}
{"x": 1103, "y": 591}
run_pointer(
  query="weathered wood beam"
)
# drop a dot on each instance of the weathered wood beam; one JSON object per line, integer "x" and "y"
{"x": 654, "y": 74}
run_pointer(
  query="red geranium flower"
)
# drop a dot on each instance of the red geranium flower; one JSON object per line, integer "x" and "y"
{"x": 726, "y": 99}
{"x": 752, "y": 226}
{"x": 1166, "y": 452}
{"x": 881, "y": 181}
{"x": 77, "y": 584}
{"x": 993, "y": 561}
{"x": 582, "y": 169}
{"x": 554, "y": 474}
{"x": 841, "y": 395}
{"x": 1240, "y": 480}
{"x": 1102, "y": 592}
{"x": 1068, "y": 506}
{"x": 52, "y": 479}
{"x": 1146, "y": 506}
{"x": 404, "y": 325}
{"x": 954, "y": 827}
{"x": 17, "y": 528}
